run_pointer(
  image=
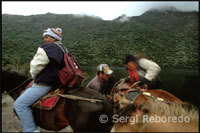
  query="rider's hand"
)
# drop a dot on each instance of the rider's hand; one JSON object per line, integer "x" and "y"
{"x": 142, "y": 81}
{"x": 127, "y": 80}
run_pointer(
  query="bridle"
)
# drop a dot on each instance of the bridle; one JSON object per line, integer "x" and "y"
{"x": 130, "y": 93}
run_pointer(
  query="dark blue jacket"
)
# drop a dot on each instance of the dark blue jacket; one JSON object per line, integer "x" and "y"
{"x": 46, "y": 63}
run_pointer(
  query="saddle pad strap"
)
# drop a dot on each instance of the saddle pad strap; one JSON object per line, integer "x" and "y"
{"x": 149, "y": 94}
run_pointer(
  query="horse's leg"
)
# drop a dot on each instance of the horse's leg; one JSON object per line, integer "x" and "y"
{"x": 79, "y": 115}
{"x": 54, "y": 119}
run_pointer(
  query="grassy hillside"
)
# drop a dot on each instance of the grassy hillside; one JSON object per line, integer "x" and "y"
{"x": 168, "y": 37}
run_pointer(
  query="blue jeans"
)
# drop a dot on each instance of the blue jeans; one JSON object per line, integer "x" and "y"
{"x": 23, "y": 103}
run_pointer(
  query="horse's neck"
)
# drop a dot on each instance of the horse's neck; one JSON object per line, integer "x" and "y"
{"x": 12, "y": 80}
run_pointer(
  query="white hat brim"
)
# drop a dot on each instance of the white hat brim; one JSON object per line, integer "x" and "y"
{"x": 109, "y": 72}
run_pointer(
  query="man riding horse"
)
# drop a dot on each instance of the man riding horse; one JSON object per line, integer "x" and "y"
{"x": 44, "y": 69}
{"x": 103, "y": 75}
{"x": 142, "y": 71}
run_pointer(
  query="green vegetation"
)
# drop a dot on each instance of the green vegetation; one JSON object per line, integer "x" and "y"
{"x": 170, "y": 38}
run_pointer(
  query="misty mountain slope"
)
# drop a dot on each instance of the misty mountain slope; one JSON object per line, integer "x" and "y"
{"x": 170, "y": 20}
{"x": 169, "y": 38}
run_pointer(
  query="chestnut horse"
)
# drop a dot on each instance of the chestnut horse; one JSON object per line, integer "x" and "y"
{"x": 81, "y": 115}
{"x": 157, "y": 116}
{"x": 128, "y": 99}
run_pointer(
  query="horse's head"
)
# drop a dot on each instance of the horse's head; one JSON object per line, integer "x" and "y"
{"x": 156, "y": 116}
{"x": 11, "y": 82}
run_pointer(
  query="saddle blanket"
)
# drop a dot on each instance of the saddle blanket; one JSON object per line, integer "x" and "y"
{"x": 49, "y": 100}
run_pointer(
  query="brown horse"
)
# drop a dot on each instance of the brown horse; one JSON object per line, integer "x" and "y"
{"x": 157, "y": 116}
{"x": 81, "y": 115}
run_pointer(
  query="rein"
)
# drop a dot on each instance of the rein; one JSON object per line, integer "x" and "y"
{"x": 73, "y": 97}
{"x": 19, "y": 85}
{"x": 115, "y": 86}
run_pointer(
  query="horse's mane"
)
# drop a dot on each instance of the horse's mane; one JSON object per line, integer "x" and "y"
{"x": 172, "y": 109}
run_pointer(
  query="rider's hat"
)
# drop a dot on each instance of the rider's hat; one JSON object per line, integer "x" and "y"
{"x": 54, "y": 32}
{"x": 104, "y": 68}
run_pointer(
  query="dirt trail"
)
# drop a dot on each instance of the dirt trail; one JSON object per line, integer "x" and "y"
{"x": 10, "y": 122}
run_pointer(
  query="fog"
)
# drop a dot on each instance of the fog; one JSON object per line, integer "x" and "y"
{"x": 105, "y": 10}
